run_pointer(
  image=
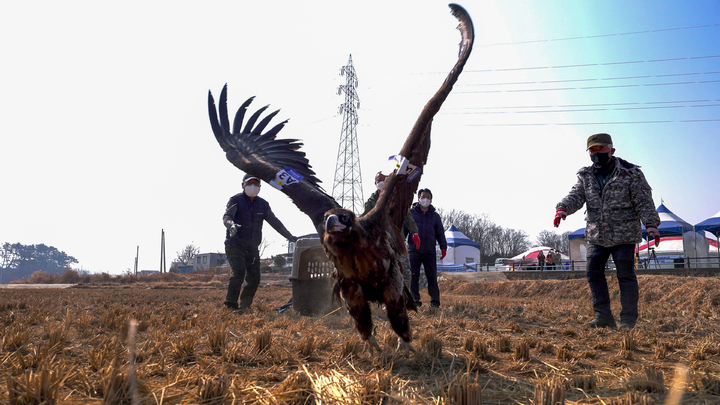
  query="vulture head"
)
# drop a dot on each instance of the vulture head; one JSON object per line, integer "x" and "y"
{"x": 342, "y": 226}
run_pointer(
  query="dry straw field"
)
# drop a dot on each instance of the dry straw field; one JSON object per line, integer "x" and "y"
{"x": 499, "y": 342}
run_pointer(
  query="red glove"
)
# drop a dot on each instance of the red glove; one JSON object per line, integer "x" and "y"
{"x": 559, "y": 214}
{"x": 654, "y": 233}
{"x": 443, "y": 252}
{"x": 416, "y": 239}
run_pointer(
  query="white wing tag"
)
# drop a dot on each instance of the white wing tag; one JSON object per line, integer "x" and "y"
{"x": 286, "y": 177}
{"x": 404, "y": 166}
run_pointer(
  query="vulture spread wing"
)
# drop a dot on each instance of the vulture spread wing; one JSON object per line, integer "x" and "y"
{"x": 279, "y": 162}
{"x": 417, "y": 145}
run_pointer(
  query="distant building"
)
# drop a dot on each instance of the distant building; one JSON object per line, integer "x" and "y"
{"x": 185, "y": 269}
{"x": 204, "y": 261}
{"x": 288, "y": 259}
{"x": 148, "y": 272}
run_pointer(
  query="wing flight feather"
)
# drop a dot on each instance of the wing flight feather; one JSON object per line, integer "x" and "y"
{"x": 398, "y": 192}
{"x": 268, "y": 158}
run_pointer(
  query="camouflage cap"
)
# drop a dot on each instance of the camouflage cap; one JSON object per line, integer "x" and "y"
{"x": 599, "y": 139}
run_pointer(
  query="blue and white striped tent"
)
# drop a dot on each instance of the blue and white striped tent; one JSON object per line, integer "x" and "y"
{"x": 670, "y": 224}
{"x": 711, "y": 225}
{"x": 462, "y": 254}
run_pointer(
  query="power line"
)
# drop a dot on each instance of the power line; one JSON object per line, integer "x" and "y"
{"x": 590, "y": 105}
{"x": 595, "y": 64}
{"x": 590, "y": 87}
{"x": 591, "y": 123}
{"x": 598, "y": 79}
{"x": 600, "y": 35}
{"x": 584, "y": 110}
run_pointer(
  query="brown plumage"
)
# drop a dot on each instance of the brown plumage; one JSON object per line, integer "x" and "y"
{"x": 365, "y": 254}
{"x": 364, "y": 250}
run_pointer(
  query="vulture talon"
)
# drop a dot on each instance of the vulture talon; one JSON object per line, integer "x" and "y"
{"x": 408, "y": 348}
{"x": 373, "y": 344}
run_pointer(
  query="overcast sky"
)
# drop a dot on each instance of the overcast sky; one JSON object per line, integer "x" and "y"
{"x": 105, "y": 139}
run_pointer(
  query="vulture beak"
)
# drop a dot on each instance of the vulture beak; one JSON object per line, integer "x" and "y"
{"x": 332, "y": 224}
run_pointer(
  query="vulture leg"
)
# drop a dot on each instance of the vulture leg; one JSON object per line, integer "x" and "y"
{"x": 359, "y": 309}
{"x": 394, "y": 299}
{"x": 372, "y": 345}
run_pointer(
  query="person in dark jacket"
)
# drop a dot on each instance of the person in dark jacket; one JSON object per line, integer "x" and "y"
{"x": 430, "y": 230}
{"x": 243, "y": 219}
{"x": 541, "y": 260}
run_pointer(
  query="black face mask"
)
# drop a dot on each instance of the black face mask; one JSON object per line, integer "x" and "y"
{"x": 600, "y": 159}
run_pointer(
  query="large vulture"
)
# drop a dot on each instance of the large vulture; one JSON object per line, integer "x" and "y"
{"x": 364, "y": 250}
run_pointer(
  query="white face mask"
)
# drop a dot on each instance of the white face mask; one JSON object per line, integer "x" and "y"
{"x": 380, "y": 185}
{"x": 424, "y": 202}
{"x": 252, "y": 190}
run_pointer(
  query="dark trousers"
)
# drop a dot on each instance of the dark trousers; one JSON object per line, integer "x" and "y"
{"x": 245, "y": 264}
{"x": 428, "y": 261}
{"x": 623, "y": 256}
{"x": 541, "y": 264}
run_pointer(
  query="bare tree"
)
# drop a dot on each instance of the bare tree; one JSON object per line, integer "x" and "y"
{"x": 565, "y": 248}
{"x": 472, "y": 226}
{"x": 514, "y": 242}
{"x": 263, "y": 245}
{"x": 8, "y": 255}
{"x": 492, "y": 238}
{"x": 554, "y": 240}
{"x": 185, "y": 256}
{"x": 549, "y": 239}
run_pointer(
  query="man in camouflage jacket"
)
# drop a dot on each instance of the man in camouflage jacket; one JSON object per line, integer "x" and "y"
{"x": 617, "y": 199}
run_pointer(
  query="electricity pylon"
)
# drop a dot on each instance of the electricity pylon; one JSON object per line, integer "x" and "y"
{"x": 347, "y": 187}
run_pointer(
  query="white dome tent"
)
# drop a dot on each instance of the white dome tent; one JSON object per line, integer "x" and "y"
{"x": 712, "y": 225}
{"x": 462, "y": 253}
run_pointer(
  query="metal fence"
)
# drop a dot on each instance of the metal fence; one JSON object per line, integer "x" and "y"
{"x": 648, "y": 263}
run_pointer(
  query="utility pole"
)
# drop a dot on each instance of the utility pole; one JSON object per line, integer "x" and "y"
{"x": 347, "y": 187}
{"x": 137, "y": 254}
{"x": 163, "y": 267}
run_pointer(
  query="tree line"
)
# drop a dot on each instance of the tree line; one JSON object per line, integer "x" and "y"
{"x": 19, "y": 261}
{"x": 496, "y": 241}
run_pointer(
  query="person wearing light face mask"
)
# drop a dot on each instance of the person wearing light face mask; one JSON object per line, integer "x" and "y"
{"x": 431, "y": 230}
{"x": 617, "y": 199}
{"x": 244, "y": 216}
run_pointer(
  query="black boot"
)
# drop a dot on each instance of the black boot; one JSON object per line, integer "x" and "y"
{"x": 602, "y": 323}
{"x": 626, "y": 325}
